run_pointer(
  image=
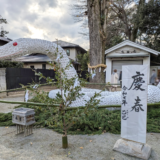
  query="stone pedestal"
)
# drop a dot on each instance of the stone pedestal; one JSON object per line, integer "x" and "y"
{"x": 131, "y": 148}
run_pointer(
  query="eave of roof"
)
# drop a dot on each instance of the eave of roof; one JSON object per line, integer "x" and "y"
{"x": 127, "y": 55}
{"x": 64, "y": 44}
{"x": 133, "y": 44}
{"x": 34, "y": 58}
{"x": 5, "y": 39}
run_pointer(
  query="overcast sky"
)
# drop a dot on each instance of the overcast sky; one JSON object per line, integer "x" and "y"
{"x": 44, "y": 19}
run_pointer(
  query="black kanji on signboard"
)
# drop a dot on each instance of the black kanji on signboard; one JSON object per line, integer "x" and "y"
{"x": 124, "y": 114}
{"x": 137, "y": 82}
{"x": 137, "y": 105}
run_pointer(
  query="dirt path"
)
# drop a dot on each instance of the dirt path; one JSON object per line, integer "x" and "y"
{"x": 45, "y": 144}
{"x": 6, "y": 107}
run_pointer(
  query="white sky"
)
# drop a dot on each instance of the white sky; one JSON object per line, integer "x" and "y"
{"x": 44, "y": 19}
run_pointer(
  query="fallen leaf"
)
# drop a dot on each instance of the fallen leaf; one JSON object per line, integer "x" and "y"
{"x": 90, "y": 140}
{"x": 30, "y": 143}
{"x": 100, "y": 127}
{"x": 81, "y": 147}
{"x": 112, "y": 158}
{"x": 6, "y": 127}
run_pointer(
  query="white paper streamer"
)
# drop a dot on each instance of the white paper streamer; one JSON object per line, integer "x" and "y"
{"x": 26, "y": 96}
{"x": 63, "y": 95}
{"x": 58, "y": 57}
{"x": 35, "y": 86}
{"x": 93, "y": 75}
{"x": 104, "y": 70}
{"x": 76, "y": 83}
{"x": 99, "y": 69}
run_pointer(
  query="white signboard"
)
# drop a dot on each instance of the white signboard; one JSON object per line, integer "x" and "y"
{"x": 134, "y": 102}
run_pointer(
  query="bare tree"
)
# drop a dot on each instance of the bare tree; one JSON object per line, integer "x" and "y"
{"x": 3, "y": 32}
{"x": 2, "y": 20}
{"x": 106, "y": 18}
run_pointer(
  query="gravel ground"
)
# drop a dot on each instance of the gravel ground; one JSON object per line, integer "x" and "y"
{"x": 45, "y": 144}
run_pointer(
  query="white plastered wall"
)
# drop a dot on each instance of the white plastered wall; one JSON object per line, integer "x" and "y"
{"x": 73, "y": 53}
{"x": 2, "y": 79}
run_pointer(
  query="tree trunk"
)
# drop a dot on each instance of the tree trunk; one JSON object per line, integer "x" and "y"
{"x": 97, "y": 41}
{"x": 64, "y": 142}
{"x": 134, "y": 34}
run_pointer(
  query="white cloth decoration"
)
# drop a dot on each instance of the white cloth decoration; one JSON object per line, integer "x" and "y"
{"x": 26, "y": 96}
{"x": 109, "y": 98}
{"x": 99, "y": 69}
{"x": 29, "y": 46}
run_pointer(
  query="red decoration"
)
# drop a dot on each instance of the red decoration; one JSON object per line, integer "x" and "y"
{"x": 15, "y": 43}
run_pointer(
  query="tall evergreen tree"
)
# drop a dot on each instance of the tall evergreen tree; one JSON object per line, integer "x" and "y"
{"x": 148, "y": 22}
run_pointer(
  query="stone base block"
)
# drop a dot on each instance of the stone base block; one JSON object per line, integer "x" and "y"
{"x": 133, "y": 149}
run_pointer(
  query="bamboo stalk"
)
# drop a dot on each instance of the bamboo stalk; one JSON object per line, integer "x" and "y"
{"x": 71, "y": 108}
{"x": 30, "y": 103}
{"x": 110, "y": 106}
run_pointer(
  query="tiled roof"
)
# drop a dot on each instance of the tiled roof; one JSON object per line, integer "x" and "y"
{"x": 5, "y": 39}
{"x": 65, "y": 44}
{"x": 34, "y": 58}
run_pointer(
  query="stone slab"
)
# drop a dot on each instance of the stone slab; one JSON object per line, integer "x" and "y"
{"x": 131, "y": 148}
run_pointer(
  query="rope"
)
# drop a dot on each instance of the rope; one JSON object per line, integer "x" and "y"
{"x": 98, "y": 65}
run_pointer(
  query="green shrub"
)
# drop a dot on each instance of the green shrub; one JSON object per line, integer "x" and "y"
{"x": 11, "y": 64}
{"x": 93, "y": 123}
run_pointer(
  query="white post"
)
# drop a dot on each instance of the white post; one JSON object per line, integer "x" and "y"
{"x": 134, "y": 112}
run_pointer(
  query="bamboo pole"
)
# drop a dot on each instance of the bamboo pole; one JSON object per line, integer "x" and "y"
{"x": 30, "y": 103}
{"x": 72, "y": 108}
{"x": 111, "y": 106}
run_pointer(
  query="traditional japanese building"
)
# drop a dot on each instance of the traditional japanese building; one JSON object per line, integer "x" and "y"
{"x": 4, "y": 40}
{"x": 130, "y": 53}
